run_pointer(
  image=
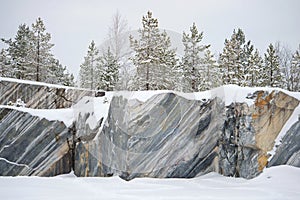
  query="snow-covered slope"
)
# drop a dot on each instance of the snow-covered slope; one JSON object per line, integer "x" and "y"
{"x": 275, "y": 183}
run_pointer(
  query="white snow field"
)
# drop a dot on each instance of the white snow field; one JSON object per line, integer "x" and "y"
{"x": 281, "y": 182}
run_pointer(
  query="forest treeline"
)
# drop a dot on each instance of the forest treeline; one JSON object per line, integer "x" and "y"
{"x": 151, "y": 63}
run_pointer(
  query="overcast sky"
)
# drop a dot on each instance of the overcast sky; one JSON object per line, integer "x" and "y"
{"x": 74, "y": 23}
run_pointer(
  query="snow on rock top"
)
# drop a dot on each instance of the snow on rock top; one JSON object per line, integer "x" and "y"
{"x": 96, "y": 107}
{"x": 228, "y": 93}
{"x": 65, "y": 115}
{"x": 38, "y": 83}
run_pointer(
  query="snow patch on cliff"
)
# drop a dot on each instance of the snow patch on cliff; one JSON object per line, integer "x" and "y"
{"x": 65, "y": 115}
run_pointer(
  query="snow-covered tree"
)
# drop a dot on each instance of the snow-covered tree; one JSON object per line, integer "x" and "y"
{"x": 247, "y": 64}
{"x": 108, "y": 71}
{"x": 153, "y": 57}
{"x": 294, "y": 78}
{"x": 272, "y": 74}
{"x": 210, "y": 73}
{"x": 20, "y": 52}
{"x": 29, "y": 56}
{"x": 255, "y": 70}
{"x": 88, "y": 69}
{"x": 69, "y": 79}
{"x": 58, "y": 74}
{"x": 4, "y": 64}
{"x": 191, "y": 63}
{"x": 42, "y": 50}
{"x": 232, "y": 58}
{"x": 284, "y": 54}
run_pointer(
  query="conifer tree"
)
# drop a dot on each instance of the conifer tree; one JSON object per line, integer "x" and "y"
{"x": 69, "y": 79}
{"x": 20, "y": 51}
{"x": 88, "y": 69}
{"x": 255, "y": 70}
{"x": 210, "y": 72}
{"x": 4, "y": 64}
{"x": 295, "y": 72}
{"x": 272, "y": 73}
{"x": 42, "y": 50}
{"x": 247, "y": 64}
{"x": 29, "y": 55}
{"x": 191, "y": 61}
{"x": 152, "y": 57}
{"x": 108, "y": 71}
{"x": 232, "y": 58}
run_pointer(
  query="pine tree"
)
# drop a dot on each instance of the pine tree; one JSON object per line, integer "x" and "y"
{"x": 295, "y": 72}
{"x": 29, "y": 55}
{"x": 152, "y": 57}
{"x": 166, "y": 70}
{"x": 246, "y": 66}
{"x": 20, "y": 51}
{"x": 191, "y": 61}
{"x": 4, "y": 64}
{"x": 42, "y": 50}
{"x": 210, "y": 72}
{"x": 108, "y": 71}
{"x": 88, "y": 69}
{"x": 55, "y": 73}
{"x": 255, "y": 69}
{"x": 271, "y": 73}
{"x": 232, "y": 58}
{"x": 69, "y": 79}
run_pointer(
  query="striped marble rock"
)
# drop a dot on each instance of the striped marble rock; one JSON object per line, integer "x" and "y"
{"x": 170, "y": 136}
{"x": 33, "y": 146}
{"x": 40, "y": 95}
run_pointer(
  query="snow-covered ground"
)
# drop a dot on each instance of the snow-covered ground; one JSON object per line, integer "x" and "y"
{"x": 280, "y": 183}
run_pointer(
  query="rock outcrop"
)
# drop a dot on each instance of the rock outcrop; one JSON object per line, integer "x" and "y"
{"x": 39, "y": 95}
{"x": 33, "y": 146}
{"x": 250, "y": 131}
{"x": 167, "y": 136}
{"x": 288, "y": 153}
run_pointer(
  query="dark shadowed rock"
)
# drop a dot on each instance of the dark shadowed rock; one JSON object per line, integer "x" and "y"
{"x": 288, "y": 152}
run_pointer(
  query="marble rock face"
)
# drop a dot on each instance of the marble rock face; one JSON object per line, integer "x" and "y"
{"x": 288, "y": 152}
{"x": 249, "y": 132}
{"x": 40, "y": 96}
{"x": 170, "y": 136}
{"x": 167, "y": 136}
{"x": 33, "y": 146}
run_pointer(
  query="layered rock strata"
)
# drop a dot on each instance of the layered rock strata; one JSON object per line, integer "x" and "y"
{"x": 249, "y": 132}
{"x": 288, "y": 153}
{"x": 169, "y": 136}
{"x": 40, "y": 96}
{"x": 33, "y": 146}
{"x": 166, "y": 136}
